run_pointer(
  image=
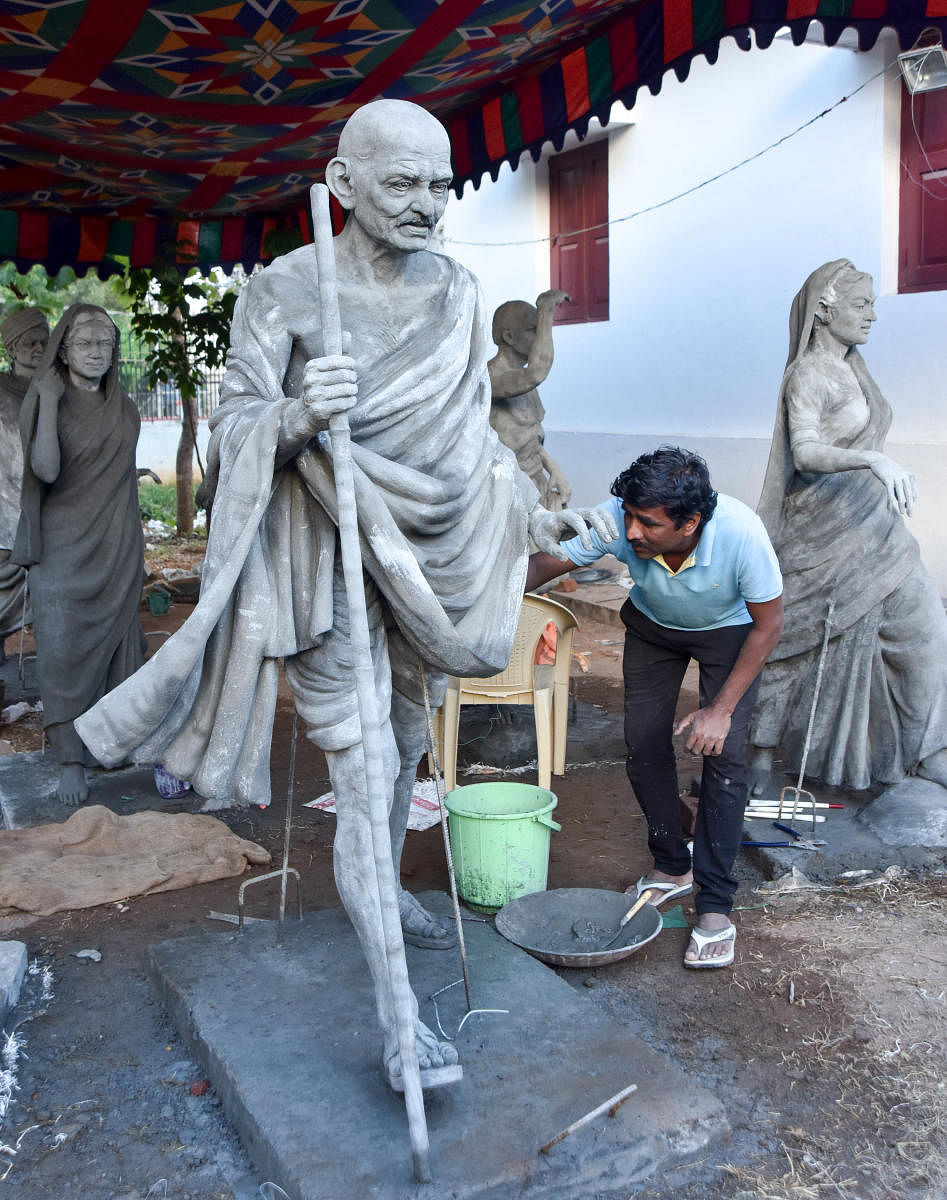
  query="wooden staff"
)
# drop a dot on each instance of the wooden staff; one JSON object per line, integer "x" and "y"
{"x": 399, "y": 985}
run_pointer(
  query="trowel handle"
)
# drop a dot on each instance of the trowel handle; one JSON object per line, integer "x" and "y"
{"x": 639, "y": 903}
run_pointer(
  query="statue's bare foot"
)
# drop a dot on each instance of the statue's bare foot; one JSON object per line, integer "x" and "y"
{"x": 934, "y": 768}
{"x": 73, "y": 789}
{"x": 421, "y": 928}
{"x": 438, "y": 1061}
{"x": 761, "y": 768}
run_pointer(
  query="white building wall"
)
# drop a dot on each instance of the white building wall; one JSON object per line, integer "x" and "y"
{"x": 701, "y": 288}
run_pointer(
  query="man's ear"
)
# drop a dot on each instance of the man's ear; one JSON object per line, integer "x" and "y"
{"x": 339, "y": 182}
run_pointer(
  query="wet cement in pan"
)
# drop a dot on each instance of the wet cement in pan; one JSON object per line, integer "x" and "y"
{"x": 577, "y": 924}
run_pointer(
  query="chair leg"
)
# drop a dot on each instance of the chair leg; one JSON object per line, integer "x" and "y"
{"x": 542, "y": 714}
{"x": 560, "y": 727}
{"x": 450, "y": 725}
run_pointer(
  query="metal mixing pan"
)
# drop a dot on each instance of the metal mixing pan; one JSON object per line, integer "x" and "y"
{"x": 567, "y": 927}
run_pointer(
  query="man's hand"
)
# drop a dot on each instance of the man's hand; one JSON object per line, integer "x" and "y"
{"x": 900, "y": 484}
{"x": 709, "y": 728}
{"x": 548, "y": 529}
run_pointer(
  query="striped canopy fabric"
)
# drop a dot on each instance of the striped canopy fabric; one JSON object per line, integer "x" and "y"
{"x": 130, "y": 125}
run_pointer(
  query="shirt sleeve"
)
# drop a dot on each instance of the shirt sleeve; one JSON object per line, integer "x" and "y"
{"x": 573, "y": 548}
{"x": 760, "y": 578}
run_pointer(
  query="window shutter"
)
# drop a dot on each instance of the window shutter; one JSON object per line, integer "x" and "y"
{"x": 922, "y": 261}
{"x": 578, "y": 201}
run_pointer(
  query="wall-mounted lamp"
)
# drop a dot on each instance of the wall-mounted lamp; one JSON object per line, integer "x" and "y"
{"x": 924, "y": 67}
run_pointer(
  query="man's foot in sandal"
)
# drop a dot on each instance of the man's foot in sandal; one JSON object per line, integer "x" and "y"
{"x": 661, "y": 887}
{"x": 711, "y": 943}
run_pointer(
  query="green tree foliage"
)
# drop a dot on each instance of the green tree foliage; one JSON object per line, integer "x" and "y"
{"x": 183, "y": 322}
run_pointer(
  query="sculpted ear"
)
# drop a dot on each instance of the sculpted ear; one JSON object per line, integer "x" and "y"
{"x": 339, "y": 182}
{"x": 825, "y": 312}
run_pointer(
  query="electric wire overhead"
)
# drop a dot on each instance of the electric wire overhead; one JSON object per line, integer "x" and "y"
{"x": 687, "y": 191}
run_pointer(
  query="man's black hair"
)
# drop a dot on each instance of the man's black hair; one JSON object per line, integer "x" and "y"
{"x": 669, "y": 478}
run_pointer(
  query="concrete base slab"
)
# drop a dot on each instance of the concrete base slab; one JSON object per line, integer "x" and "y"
{"x": 288, "y": 1037}
{"x": 912, "y": 813}
{"x": 12, "y": 971}
{"x": 28, "y": 785}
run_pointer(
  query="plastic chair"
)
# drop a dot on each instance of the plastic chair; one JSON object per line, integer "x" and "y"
{"x": 546, "y": 688}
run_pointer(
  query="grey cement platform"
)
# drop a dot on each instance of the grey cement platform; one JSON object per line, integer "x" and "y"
{"x": 12, "y": 970}
{"x": 288, "y": 1038}
{"x": 28, "y": 791}
{"x": 870, "y": 832}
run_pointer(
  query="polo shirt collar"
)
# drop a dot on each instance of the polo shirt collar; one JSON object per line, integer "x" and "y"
{"x": 704, "y": 547}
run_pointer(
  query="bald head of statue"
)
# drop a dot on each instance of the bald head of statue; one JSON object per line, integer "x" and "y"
{"x": 392, "y": 174}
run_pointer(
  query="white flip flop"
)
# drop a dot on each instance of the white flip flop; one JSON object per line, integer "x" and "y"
{"x": 706, "y": 938}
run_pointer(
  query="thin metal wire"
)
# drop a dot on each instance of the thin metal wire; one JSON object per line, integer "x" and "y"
{"x": 471, "y": 1012}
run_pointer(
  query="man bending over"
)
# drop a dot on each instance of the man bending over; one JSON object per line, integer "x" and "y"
{"x": 706, "y": 586}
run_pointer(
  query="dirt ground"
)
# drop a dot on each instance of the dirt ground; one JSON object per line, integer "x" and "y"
{"x": 825, "y": 1040}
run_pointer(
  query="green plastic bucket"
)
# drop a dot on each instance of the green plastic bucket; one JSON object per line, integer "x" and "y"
{"x": 499, "y": 836}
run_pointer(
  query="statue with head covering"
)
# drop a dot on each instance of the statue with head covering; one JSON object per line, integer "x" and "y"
{"x": 522, "y": 333}
{"x": 834, "y": 505}
{"x": 79, "y": 532}
{"x": 24, "y": 334}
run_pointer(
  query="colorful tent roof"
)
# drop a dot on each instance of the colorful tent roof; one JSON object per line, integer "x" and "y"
{"x": 126, "y": 124}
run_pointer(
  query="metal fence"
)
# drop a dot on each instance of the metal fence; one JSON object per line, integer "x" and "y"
{"x": 163, "y": 401}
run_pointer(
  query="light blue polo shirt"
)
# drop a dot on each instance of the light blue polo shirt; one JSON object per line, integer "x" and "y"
{"x": 733, "y": 562}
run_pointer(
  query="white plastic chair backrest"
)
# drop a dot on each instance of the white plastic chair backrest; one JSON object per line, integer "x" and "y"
{"x": 535, "y": 615}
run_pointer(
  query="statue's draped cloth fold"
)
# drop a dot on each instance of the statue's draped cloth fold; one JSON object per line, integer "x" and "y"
{"x": 883, "y": 703}
{"x": 442, "y": 511}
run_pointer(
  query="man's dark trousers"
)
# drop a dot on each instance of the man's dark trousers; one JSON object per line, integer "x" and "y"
{"x": 655, "y": 660}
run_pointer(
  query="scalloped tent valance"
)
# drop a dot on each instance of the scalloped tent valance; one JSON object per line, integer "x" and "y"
{"x": 128, "y": 126}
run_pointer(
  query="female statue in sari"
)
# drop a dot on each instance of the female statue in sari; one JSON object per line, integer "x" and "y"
{"x": 80, "y": 530}
{"x": 834, "y": 505}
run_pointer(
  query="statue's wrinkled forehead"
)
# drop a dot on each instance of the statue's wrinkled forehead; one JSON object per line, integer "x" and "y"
{"x": 85, "y": 322}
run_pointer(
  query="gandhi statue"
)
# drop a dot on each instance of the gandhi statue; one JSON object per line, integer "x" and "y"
{"x": 835, "y": 505}
{"x": 444, "y": 519}
{"x": 24, "y": 334}
{"x": 523, "y": 334}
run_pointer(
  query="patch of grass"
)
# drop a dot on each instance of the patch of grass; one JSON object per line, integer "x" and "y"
{"x": 159, "y": 502}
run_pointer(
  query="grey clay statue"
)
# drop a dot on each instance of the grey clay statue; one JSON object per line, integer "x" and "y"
{"x": 24, "y": 334}
{"x": 79, "y": 531}
{"x": 523, "y": 335}
{"x": 834, "y": 505}
{"x": 444, "y": 520}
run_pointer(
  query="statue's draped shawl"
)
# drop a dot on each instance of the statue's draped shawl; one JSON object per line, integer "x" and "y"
{"x": 442, "y": 512}
{"x": 836, "y": 534}
{"x": 81, "y": 538}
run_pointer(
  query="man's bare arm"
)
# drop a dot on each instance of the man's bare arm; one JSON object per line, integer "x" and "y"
{"x": 543, "y": 567}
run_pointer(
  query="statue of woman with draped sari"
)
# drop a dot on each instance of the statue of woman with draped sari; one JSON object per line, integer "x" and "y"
{"x": 79, "y": 531}
{"x": 834, "y": 505}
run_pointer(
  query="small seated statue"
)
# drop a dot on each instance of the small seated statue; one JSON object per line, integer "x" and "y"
{"x": 79, "y": 531}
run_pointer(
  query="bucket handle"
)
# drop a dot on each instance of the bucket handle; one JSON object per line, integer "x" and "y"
{"x": 546, "y": 819}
